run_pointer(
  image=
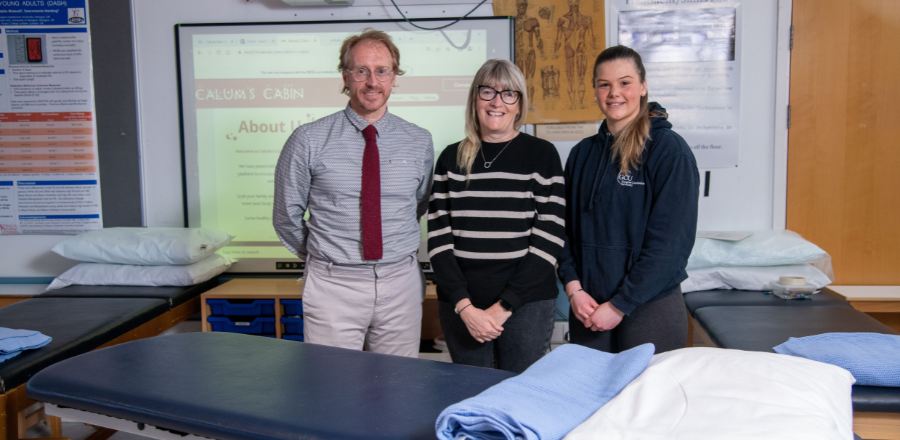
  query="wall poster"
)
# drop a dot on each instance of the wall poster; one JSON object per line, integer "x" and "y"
{"x": 49, "y": 178}
{"x": 692, "y": 52}
{"x": 557, "y": 42}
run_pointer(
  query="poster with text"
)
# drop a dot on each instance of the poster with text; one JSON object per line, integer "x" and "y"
{"x": 691, "y": 50}
{"x": 49, "y": 177}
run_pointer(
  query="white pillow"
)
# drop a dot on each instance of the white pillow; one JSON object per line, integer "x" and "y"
{"x": 143, "y": 246}
{"x": 713, "y": 393}
{"x": 750, "y": 278}
{"x": 763, "y": 248}
{"x": 99, "y": 274}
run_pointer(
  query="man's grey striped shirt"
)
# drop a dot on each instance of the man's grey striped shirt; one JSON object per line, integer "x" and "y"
{"x": 320, "y": 170}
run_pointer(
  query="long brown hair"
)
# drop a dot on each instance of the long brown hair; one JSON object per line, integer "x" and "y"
{"x": 630, "y": 142}
{"x": 494, "y": 73}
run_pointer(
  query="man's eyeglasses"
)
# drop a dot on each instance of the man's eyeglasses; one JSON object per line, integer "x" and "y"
{"x": 361, "y": 74}
{"x": 509, "y": 97}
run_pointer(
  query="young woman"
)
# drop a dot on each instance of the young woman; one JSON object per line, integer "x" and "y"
{"x": 495, "y": 229}
{"x": 631, "y": 197}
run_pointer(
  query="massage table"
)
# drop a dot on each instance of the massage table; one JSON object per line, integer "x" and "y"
{"x": 234, "y": 387}
{"x": 761, "y": 328}
{"x": 173, "y": 295}
{"x": 81, "y": 319}
{"x": 77, "y": 325}
{"x": 730, "y": 297}
{"x": 230, "y": 386}
{"x": 183, "y": 301}
{"x": 13, "y": 293}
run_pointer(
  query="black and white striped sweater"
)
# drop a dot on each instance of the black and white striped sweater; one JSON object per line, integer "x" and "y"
{"x": 498, "y": 235}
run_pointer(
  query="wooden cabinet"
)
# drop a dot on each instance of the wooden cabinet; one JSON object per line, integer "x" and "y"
{"x": 879, "y": 302}
{"x": 254, "y": 289}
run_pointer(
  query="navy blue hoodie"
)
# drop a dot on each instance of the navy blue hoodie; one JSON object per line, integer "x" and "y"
{"x": 628, "y": 238}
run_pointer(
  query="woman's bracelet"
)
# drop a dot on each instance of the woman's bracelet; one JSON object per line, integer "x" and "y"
{"x": 464, "y": 307}
{"x": 573, "y": 293}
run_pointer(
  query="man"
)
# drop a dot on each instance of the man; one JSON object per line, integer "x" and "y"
{"x": 363, "y": 175}
{"x": 527, "y": 29}
{"x": 573, "y": 29}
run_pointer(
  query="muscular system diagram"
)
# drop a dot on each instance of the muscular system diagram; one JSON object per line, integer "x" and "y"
{"x": 555, "y": 44}
{"x": 573, "y": 32}
{"x": 528, "y": 35}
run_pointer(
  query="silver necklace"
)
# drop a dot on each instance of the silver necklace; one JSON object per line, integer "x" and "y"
{"x": 488, "y": 164}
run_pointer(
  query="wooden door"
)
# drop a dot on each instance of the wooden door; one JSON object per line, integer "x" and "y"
{"x": 843, "y": 185}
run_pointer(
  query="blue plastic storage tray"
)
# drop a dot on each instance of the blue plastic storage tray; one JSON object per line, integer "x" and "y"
{"x": 255, "y": 327}
{"x": 293, "y": 337}
{"x": 232, "y": 307}
{"x": 292, "y": 307}
{"x": 293, "y": 325}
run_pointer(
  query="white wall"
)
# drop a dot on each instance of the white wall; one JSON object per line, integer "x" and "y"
{"x": 740, "y": 198}
{"x": 30, "y": 256}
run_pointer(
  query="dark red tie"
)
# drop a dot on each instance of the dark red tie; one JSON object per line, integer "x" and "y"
{"x": 371, "y": 197}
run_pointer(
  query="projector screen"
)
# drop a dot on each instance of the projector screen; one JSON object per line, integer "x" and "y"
{"x": 245, "y": 87}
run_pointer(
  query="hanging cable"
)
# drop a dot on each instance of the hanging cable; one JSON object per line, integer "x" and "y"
{"x": 437, "y": 28}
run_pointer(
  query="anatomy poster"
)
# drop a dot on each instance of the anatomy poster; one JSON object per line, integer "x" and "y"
{"x": 557, "y": 42}
{"x": 691, "y": 50}
{"x": 49, "y": 178}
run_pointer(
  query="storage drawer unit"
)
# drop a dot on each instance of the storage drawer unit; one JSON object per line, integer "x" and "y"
{"x": 241, "y": 307}
{"x": 293, "y": 325}
{"x": 256, "y": 326}
{"x": 261, "y": 307}
{"x": 292, "y": 307}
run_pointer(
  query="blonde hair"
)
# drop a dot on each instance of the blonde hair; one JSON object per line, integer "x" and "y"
{"x": 500, "y": 74}
{"x": 369, "y": 34}
{"x": 630, "y": 142}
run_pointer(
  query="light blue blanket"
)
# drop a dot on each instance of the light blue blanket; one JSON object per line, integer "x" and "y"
{"x": 872, "y": 358}
{"x": 549, "y": 399}
{"x": 4, "y": 357}
{"x": 12, "y": 341}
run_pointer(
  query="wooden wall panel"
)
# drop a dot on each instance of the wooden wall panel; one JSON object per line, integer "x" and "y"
{"x": 887, "y": 181}
{"x": 844, "y": 140}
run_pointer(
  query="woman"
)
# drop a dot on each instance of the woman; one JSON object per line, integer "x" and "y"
{"x": 495, "y": 229}
{"x": 631, "y": 199}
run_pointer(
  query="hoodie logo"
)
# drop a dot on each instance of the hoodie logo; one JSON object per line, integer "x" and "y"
{"x": 626, "y": 180}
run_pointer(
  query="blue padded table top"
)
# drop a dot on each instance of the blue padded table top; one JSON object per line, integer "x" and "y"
{"x": 174, "y": 295}
{"x": 729, "y": 297}
{"x": 77, "y": 325}
{"x": 229, "y": 386}
{"x": 762, "y": 328}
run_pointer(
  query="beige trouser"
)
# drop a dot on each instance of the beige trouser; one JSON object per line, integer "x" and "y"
{"x": 377, "y": 306}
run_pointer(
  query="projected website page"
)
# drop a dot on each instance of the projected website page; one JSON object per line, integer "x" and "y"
{"x": 246, "y": 88}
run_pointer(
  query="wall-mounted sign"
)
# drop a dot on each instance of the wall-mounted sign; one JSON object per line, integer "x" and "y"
{"x": 49, "y": 177}
{"x": 692, "y": 53}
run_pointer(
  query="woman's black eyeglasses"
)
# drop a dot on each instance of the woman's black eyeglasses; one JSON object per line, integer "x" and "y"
{"x": 509, "y": 97}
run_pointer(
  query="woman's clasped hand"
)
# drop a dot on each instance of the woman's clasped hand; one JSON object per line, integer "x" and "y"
{"x": 484, "y": 325}
{"x": 597, "y": 317}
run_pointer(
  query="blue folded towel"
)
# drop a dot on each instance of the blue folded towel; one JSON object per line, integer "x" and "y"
{"x": 12, "y": 341}
{"x": 872, "y": 358}
{"x": 4, "y": 357}
{"x": 549, "y": 399}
